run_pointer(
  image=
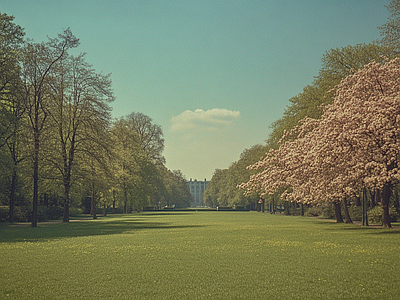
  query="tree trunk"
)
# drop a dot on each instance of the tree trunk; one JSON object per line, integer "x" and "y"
{"x": 66, "y": 201}
{"x": 93, "y": 202}
{"x": 286, "y": 208}
{"x": 113, "y": 205}
{"x": 386, "y": 193}
{"x": 125, "y": 202}
{"x": 338, "y": 212}
{"x": 396, "y": 200}
{"x": 12, "y": 194}
{"x": 125, "y": 198}
{"x": 67, "y": 172}
{"x": 67, "y": 187}
{"x": 35, "y": 177}
{"x": 13, "y": 152}
{"x": 346, "y": 212}
{"x": 378, "y": 197}
{"x": 373, "y": 198}
{"x": 358, "y": 201}
{"x": 302, "y": 209}
{"x": 46, "y": 199}
{"x": 364, "y": 207}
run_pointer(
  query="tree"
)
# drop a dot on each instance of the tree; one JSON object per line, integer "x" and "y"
{"x": 336, "y": 65}
{"x": 150, "y": 136}
{"x": 11, "y": 106}
{"x": 38, "y": 61}
{"x": 96, "y": 165}
{"x": 78, "y": 111}
{"x": 180, "y": 193}
{"x": 354, "y": 145}
{"x": 213, "y": 196}
{"x": 126, "y": 164}
{"x": 390, "y": 31}
{"x": 11, "y": 39}
{"x": 222, "y": 189}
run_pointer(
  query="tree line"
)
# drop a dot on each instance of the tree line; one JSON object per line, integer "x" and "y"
{"x": 336, "y": 144}
{"x": 60, "y": 146}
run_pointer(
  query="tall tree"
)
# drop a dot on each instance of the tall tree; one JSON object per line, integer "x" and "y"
{"x": 11, "y": 106}
{"x": 180, "y": 193}
{"x": 38, "y": 61}
{"x": 79, "y": 106}
{"x": 125, "y": 140}
{"x": 213, "y": 195}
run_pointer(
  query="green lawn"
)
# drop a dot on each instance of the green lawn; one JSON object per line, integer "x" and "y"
{"x": 203, "y": 255}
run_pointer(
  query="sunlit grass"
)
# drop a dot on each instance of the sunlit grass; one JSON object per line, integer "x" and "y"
{"x": 207, "y": 255}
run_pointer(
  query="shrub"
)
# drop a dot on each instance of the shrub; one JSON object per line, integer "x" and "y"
{"x": 296, "y": 211}
{"x": 41, "y": 214}
{"x": 150, "y": 208}
{"x": 225, "y": 208}
{"x": 328, "y": 212}
{"x": 4, "y": 213}
{"x": 75, "y": 211}
{"x": 24, "y": 213}
{"x": 21, "y": 213}
{"x": 314, "y": 211}
{"x": 355, "y": 213}
{"x": 54, "y": 212}
{"x": 239, "y": 207}
{"x": 375, "y": 215}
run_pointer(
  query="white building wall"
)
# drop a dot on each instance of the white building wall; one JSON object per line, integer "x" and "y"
{"x": 197, "y": 189}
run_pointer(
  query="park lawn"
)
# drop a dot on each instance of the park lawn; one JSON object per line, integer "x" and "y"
{"x": 199, "y": 255}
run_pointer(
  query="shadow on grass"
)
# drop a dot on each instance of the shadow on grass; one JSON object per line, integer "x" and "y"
{"x": 149, "y": 213}
{"x": 372, "y": 229}
{"x": 79, "y": 227}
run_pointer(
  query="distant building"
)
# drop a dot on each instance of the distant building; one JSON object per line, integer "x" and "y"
{"x": 197, "y": 189}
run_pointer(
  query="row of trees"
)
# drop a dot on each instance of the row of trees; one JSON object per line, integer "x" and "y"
{"x": 222, "y": 191}
{"x": 337, "y": 139}
{"x": 57, "y": 136}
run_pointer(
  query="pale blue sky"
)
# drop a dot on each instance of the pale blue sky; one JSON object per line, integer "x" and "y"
{"x": 213, "y": 74}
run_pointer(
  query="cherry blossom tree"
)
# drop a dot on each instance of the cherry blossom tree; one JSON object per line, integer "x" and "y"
{"x": 354, "y": 145}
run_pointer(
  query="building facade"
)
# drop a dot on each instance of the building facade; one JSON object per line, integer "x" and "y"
{"x": 197, "y": 189}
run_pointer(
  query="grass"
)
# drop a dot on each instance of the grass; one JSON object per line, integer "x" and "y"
{"x": 207, "y": 255}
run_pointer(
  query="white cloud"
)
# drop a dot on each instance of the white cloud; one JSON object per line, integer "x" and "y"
{"x": 210, "y": 119}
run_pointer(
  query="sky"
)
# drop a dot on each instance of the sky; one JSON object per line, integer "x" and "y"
{"x": 215, "y": 74}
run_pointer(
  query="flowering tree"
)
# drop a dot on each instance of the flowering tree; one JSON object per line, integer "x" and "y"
{"x": 355, "y": 144}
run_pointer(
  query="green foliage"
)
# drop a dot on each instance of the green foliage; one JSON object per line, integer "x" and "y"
{"x": 328, "y": 212}
{"x": 222, "y": 189}
{"x": 356, "y": 212}
{"x": 140, "y": 178}
{"x": 314, "y": 211}
{"x": 4, "y": 213}
{"x": 336, "y": 65}
{"x": 21, "y": 213}
{"x": 24, "y": 213}
{"x": 55, "y": 212}
{"x": 375, "y": 215}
